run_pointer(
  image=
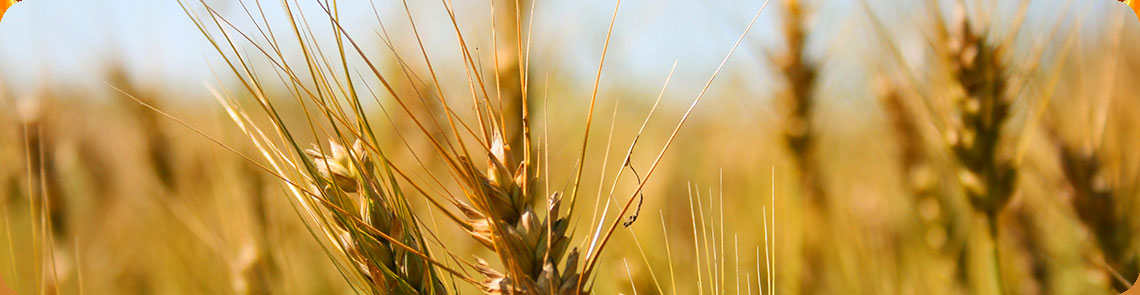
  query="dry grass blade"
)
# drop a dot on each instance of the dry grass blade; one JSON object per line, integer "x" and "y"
{"x": 710, "y": 265}
{"x": 590, "y": 112}
{"x": 593, "y": 258}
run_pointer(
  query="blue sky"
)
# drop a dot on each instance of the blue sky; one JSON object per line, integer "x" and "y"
{"x": 70, "y": 40}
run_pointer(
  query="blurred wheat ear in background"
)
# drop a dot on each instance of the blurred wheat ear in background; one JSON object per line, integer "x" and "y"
{"x": 988, "y": 177}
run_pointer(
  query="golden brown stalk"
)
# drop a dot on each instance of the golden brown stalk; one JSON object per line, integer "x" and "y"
{"x": 509, "y": 17}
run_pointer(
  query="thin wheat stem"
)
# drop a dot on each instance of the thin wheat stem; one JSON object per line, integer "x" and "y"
{"x": 11, "y": 243}
{"x": 78, "y": 264}
{"x": 627, "y": 162}
{"x": 673, "y": 135}
{"x": 605, "y": 162}
{"x": 991, "y": 221}
{"x": 748, "y": 283}
{"x": 630, "y": 276}
{"x": 767, "y": 256}
{"x": 696, "y": 241}
{"x": 736, "y": 255}
{"x": 721, "y": 272}
{"x": 709, "y": 262}
{"x": 590, "y": 115}
{"x": 771, "y": 248}
{"x": 668, "y": 252}
{"x": 38, "y": 274}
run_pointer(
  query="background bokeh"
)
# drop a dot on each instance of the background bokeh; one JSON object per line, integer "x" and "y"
{"x": 103, "y": 196}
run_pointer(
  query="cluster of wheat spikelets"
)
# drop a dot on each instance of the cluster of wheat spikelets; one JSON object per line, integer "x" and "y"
{"x": 356, "y": 197}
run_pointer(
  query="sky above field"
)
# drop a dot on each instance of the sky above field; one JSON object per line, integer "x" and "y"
{"x": 72, "y": 40}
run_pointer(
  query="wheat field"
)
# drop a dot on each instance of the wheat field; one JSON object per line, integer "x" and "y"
{"x": 565, "y": 147}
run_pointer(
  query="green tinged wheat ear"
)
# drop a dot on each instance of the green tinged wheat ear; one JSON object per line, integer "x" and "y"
{"x": 351, "y": 180}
